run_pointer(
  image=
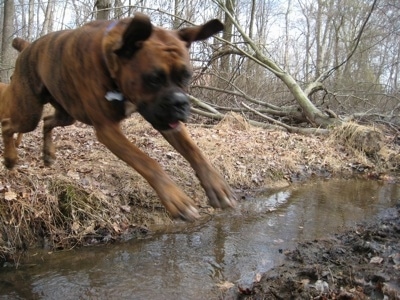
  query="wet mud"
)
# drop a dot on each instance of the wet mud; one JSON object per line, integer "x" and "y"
{"x": 361, "y": 263}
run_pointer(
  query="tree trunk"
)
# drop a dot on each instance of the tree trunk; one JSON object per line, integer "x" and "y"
{"x": 118, "y": 12}
{"x": 227, "y": 34}
{"x": 287, "y": 35}
{"x": 48, "y": 19}
{"x": 176, "y": 20}
{"x": 103, "y": 8}
{"x": 31, "y": 18}
{"x": 6, "y": 58}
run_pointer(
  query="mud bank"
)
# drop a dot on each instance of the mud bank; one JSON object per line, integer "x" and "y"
{"x": 361, "y": 263}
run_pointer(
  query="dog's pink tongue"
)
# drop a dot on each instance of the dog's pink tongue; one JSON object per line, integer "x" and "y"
{"x": 174, "y": 125}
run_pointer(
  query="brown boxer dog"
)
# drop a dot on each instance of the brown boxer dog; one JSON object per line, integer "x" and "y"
{"x": 98, "y": 74}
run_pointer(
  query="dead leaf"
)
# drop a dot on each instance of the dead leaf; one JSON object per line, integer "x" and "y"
{"x": 116, "y": 227}
{"x": 75, "y": 227}
{"x": 225, "y": 285}
{"x": 10, "y": 195}
{"x": 278, "y": 241}
{"x": 376, "y": 260}
{"x": 305, "y": 282}
{"x": 89, "y": 230}
{"x": 73, "y": 175}
{"x": 125, "y": 208}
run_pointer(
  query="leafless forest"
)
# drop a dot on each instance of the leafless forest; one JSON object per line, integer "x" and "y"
{"x": 295, "y": 64}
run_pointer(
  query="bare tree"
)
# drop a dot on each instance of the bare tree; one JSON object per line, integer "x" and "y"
{"x": 103, "y": 9}
{"x": 6, "y": 58}
{"x": 229, "y": 6}
{"x": 177, "y": 12}
{"x": 48, "y": 18}
{"x": 118, "y": 9}
{"x": 31, "y": 18}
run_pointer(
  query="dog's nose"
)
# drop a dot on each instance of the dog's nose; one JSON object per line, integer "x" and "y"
{"x": 180, "y": 102}
{"x": 179, "y": 99}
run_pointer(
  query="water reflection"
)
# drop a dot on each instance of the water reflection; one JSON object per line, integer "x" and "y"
{"x": 188, "y": 261}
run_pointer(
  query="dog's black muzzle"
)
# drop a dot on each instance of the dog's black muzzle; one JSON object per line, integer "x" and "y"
{"x": 168, "y": 109}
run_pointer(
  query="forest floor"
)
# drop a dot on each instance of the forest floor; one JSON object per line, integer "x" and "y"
{"x": 89, "y": 196}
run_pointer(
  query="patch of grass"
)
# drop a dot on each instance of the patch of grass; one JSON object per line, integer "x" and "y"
{"x": 57, "y": 214}
{"x": 86, "y": 215}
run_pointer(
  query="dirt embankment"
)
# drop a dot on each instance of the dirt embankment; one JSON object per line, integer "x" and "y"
{"x": 89, "y": 196}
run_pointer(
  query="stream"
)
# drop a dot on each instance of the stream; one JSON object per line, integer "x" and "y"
{"x": 194, "y": 260}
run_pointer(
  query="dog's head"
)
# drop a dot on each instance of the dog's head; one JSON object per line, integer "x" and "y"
{"x": 151, "y": 67}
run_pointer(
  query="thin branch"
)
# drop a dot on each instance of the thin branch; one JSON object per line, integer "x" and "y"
{"x": 203, "y": 105}
{"x": 238, "y": 94}
{"x": 316, "y": 131}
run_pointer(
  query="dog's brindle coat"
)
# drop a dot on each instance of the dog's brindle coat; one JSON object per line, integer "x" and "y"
{"x": 137, "y": 67}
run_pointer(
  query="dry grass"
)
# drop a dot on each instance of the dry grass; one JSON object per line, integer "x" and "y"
{"x": 370, "y": 144}
{"x": 89, "y": 195}
{"x": 366, "y": 139}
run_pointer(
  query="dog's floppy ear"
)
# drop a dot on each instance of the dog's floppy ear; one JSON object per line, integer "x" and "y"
{"x": 123, "y": 38}
{"x": 139, "y": 30}
{"x": 201, "y": 32}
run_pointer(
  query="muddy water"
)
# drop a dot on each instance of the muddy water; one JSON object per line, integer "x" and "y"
{"x": 190, "y": 261}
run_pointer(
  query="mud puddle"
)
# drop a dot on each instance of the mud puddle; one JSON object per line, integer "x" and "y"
{"x": 201, "y": 260}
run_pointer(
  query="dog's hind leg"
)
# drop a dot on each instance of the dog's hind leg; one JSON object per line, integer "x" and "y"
{"x": 10, "y": 152}
{"x": 59, "y": 118}
{"x": 24, "y": 117}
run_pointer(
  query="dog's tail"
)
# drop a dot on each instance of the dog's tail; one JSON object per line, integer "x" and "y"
{"x": 19, "y": 44}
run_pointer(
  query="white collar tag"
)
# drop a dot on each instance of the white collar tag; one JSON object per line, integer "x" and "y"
{"x": 114, "y": 96}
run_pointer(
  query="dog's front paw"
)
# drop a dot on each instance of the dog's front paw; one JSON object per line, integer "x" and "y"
{"x": 179, "y": 205}
{"x": 10, "y": 162}
{"x": 219, "y": 193}
{"x": 48, "y": 160}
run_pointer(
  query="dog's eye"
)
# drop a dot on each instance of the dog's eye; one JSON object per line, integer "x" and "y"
{"x": 184, "y": 78}
{"x": 155, "y": 80}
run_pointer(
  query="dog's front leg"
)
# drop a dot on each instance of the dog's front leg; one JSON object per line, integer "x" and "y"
{"x": 218, "y": 191}
{"x": 172, "y": 197}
